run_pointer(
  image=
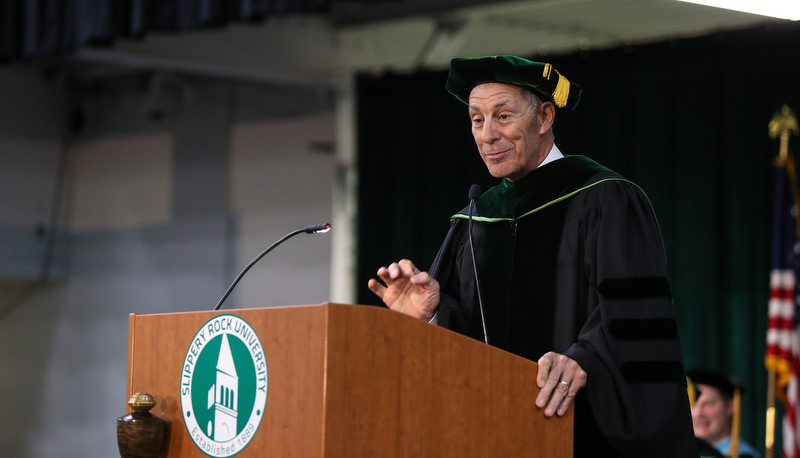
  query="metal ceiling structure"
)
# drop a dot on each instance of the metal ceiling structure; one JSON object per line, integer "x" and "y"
{"x": 403, "y": 35}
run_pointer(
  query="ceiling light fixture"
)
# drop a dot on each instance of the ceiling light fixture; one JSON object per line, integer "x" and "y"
{"x": 781, "y": 9}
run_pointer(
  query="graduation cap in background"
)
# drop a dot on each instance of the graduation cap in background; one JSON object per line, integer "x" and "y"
{"x": 728, "y": 386}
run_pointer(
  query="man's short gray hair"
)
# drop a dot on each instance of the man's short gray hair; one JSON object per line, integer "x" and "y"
{"x": 533, "y": 100}
{"x": 533, "y": 103}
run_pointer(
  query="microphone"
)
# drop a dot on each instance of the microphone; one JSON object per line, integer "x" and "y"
{"x": 474, "y": 194}
{"x": 314, "y": 229}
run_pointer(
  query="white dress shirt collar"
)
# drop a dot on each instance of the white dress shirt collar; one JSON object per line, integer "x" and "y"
{"x": 554, "y": 154}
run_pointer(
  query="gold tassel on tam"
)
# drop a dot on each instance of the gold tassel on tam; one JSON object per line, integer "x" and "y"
{"x": 737, "y": 404}
{"x": 547, "y": 69}
{"x": 561, "y": 93}
{"x": 691, "y": 391}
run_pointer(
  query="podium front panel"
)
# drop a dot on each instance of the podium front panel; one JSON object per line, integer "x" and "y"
{"x": 342, "y": 381}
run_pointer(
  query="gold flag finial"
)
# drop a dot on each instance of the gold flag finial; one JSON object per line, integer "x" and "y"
{"x": 783, "y": 124}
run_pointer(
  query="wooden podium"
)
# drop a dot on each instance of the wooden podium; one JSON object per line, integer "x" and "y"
{"x": 352, "y": 381}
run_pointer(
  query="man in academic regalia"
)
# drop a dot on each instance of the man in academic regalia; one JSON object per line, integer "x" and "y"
{"x": 570, "y": 265}
{"x": 715, "y": 398}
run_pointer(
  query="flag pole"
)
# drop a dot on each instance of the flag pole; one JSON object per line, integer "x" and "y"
{"x": 769, "y": 441}
{"x": 783, "y": 124}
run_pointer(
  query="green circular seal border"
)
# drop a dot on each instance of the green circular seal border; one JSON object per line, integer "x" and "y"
{"x": 210, "y": 335}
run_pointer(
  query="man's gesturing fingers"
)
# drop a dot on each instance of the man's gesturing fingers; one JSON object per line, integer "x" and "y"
{"x": 406, "y": 289}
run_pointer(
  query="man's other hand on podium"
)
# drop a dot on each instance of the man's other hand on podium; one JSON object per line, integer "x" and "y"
{"x": 559, "y": 380}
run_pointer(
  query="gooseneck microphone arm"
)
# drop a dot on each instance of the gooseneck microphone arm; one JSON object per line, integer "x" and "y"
{"x": 315, "y": 229}
{"x": 474, "y": 194}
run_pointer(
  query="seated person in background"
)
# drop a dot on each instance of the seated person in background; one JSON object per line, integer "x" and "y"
{"x": 715, "y": 412}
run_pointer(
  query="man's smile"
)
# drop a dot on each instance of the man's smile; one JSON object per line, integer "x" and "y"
{"x": 495, "y": 155}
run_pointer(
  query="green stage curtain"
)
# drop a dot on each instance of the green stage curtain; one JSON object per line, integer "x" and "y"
{"x": 686, "y": 119}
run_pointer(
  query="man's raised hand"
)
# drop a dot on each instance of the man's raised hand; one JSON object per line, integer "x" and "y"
{"x": 406, "y": 289}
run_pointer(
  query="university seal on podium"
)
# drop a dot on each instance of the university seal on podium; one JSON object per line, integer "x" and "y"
{"x": 224, "y": 386}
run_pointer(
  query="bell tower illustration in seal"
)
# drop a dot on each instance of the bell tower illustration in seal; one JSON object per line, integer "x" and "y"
{"x": 223, "y": 396}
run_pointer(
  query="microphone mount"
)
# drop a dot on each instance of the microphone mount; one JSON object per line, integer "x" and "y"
{"x": 313, "y": 229}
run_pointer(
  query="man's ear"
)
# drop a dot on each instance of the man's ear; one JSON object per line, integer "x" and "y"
{"x": 548, "y": 116}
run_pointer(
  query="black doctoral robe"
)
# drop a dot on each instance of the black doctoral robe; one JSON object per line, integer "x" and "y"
{"x": 570, "y": 259}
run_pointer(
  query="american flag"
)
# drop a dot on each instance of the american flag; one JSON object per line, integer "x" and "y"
{"x": 783, "y": 349}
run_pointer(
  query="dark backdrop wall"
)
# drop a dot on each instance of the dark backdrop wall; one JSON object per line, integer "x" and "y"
{"x": 686, "y": 119}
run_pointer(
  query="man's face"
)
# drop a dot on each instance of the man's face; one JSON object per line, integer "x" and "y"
{"x": 508, "y": 133}
{"x": 711, "y": 415}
